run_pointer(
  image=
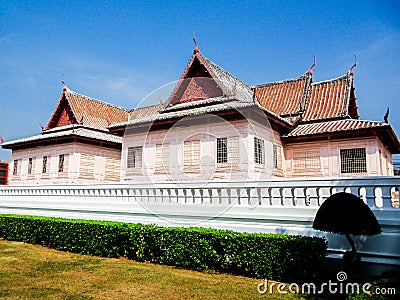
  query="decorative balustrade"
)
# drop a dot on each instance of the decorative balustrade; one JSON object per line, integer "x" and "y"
{"x": 280, "y": 206}
{"x": 377, "y": 192}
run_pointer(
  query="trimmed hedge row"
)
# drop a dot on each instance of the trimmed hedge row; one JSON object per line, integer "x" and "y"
{"x": 274, "y": 256}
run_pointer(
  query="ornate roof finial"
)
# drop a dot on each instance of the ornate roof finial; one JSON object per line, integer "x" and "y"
{"x": 63, "y": 82}
{"x": 353, "y": 66}
{"x": 313, "y": 65}
{"x": 196, "y": 47}
{"x": 386, "y": 117}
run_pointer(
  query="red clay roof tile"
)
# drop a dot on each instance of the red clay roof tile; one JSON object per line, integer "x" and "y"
{"x": 142, "y": 112}
{"x": 283, "y": 97}
{"x": 333, "y": 126}
{"x": 330, "y": 99}
{"x": 87, "y": 111}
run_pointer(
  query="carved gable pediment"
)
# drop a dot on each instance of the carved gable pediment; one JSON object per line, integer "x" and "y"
{"x": 197, "y": 83}
{"x": 62, "y": 115}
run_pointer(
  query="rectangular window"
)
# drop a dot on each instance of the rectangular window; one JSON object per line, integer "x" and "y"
{"x": 222, "y": 150}
{"x": 277, "y": 156}
{"x": 305, "y": 160}
{"x": 134, "y": 159}
{"x": 162, "y": 158}
{"x": 15, "y": 167}
{"x": 191, "y": 156}
{"x": 44, "y": 166}
{"x": 353, "y": 161}
{"x": 61, "y": 163}
{"x": 259, "y": 151}
{"x": 227, "y": 152}
{"x": 30, "y": 165}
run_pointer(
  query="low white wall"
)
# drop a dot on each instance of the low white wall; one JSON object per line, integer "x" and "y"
{"x": 277, "y": 206}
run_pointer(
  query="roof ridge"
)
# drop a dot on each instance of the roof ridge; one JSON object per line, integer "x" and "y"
{"x": 347, "y": 75}
{"x": 96, "y": 100}
{"x": 304, "y": 76}
{"x": 145, "y": 107}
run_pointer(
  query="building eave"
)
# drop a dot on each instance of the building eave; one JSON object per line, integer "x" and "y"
{"x": 384, "y": 133}
{"x": 72, "y": 133}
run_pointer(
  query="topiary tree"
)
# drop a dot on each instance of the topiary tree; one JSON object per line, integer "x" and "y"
{"x": 345, "y": 213}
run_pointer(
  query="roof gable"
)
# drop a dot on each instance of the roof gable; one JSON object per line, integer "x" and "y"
{"x": 66, "y": 117}
{"x": 196, "y": 83}
{"x": 331, "y": 99}
{"x": 202, "y": 79}
{"x": 74, "y": 108}
{"x": 62, "y": 115}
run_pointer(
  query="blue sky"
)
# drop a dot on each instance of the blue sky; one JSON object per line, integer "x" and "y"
{"x": 119, "y": 51}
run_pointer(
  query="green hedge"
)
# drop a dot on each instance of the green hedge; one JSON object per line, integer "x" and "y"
{"x": 274, "y": 256}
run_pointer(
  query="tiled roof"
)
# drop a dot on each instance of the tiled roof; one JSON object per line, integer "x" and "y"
{"x": 190, "y": 111}
{"x": 334, "y": 126}
{"x": 142, "y": 112}
{"x": 70, "y": 130}
{"x": 88, "y": 111}
{"x": 331, "y": 99}
{"x": 186, "y": 105}
{"x": 283, "y": 97}
{"x": 232, "y": 85}
{"x": 197, "y": 81}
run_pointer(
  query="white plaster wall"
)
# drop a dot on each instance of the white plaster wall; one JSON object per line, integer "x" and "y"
{"x": 207, "y": 134}
{"x": 72, "y": 163}
{"x": 378, "y": 163}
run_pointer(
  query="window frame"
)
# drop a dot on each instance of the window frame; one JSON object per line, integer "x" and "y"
{"x": 61, "y": 161}
{"x": 277, "y": 156}
{"x": 15, "y": 167}
{"x": 163, "y": 157}
{"x": 134, "y": 157}
{"x": 191, "y": 156}
{"x": 30, "y": 165}
{"x": 307, "y": 160}
{"x": 222, "y": 150}
{"x": 44, "y": 164}
{"x": 259, "y": 151}
{"x": 351, "y": 164}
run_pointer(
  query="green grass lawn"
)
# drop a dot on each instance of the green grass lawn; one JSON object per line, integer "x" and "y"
{"x": 35, "y": 272}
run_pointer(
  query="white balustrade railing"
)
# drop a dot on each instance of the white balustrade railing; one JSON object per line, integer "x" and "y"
{"x": 280, "y": 205}
{"x": 377, "y": 192}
